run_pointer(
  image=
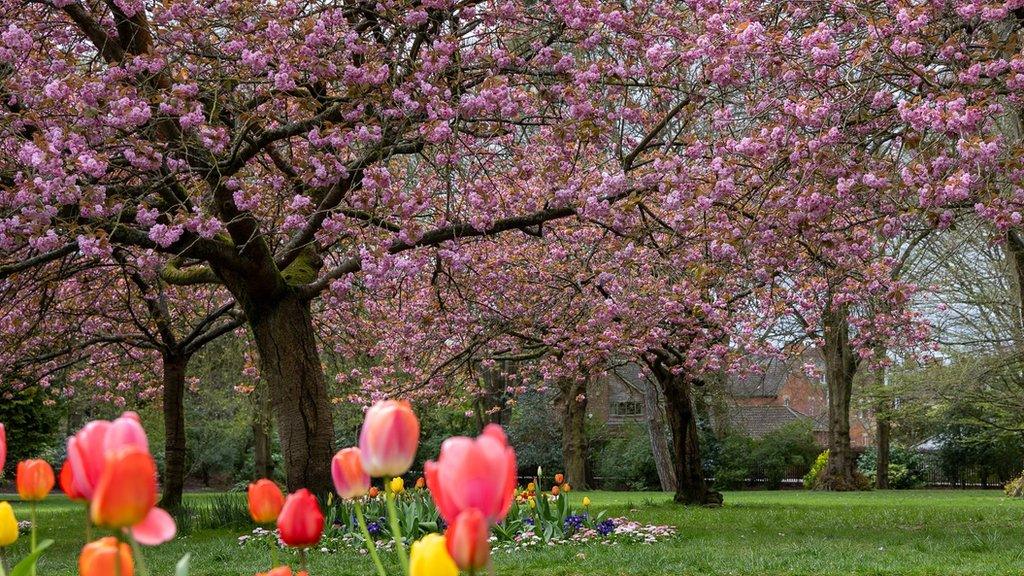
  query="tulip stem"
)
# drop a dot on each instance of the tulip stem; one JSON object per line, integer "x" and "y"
{"x": 273, "y": 550}
{"x": 32, "y": 513}
{"x": 396, "y": 529}
{"x": 302, "y": 559}
{"x": 370, "y": 546}
{"x": 3, "y": 561}
{"x": 137, "y": 552}
{"x": 88, "y": 525}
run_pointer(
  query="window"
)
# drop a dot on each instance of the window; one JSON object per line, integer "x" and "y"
{"x": 629, "y": 408}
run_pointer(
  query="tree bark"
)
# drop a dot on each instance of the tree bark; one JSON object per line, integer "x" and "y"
{"x": 290, "y": 364}
{"x": 261, "y": 425}
{"x": 840, "y": 368}
{"x": 174, "y": 369}
{"x": 574, "y": 441}
{"x": 691, "y": 486}
{"x": 659, "y": 440}
{"x": 882, "y": 433}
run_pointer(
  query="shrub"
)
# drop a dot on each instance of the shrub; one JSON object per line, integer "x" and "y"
{"x": 626, "y": 461}
{"x": 785, "y": 452}
{"x": 811, "y": 478}
{"x": 1015, "y": 488}
{"x": 735, "y": 463}
{"x": 906, "y": 467}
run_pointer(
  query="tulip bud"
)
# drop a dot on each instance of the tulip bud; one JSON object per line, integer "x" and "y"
{"x": 8, "y": 525}
{"x": 300, "y": 523}
{"x": 421, "y": 483}
{"x": 350, "y": 480}
{"x": 34, "y": 479}
{"x": 566, "y": 488}
{"x": 533, "y": 502}
{"x": 397, "y": 485}
{"x": 374, "y": 492}
{"x": 100, "y": 558}
{"x": 429, "y": 557}
{"x": 586, "y": 501}
{"x": 467, "y": 538}
{"x": 67, "y": 483}
{"x": 126, "y": 491}
{"x": 531, "y": 487}
{"x": 265, "y": 501}
{"x": 389, "y": 438}
{"x": 559, "y": 478}
{"x": 554, "y": 490}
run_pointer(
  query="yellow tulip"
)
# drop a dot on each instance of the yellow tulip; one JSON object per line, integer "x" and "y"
{"x": 566, "y": 488}
{"x": 533, "y": 503}
{"x": 586, "y": 501}
{"x": 397, "y": 484}
{"x": 531, "y": 487}
{"x": 8, "y": 525}
{"x": 429, "y": 557}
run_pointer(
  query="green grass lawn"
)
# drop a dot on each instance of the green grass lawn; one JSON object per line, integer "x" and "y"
{"x": 763, "y": 533}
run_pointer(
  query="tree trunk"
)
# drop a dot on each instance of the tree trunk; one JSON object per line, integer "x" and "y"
{"x": 882, "y": 472}
{"x": 174, "y": 367}
{"x": 840, "y": 368}
{"x": 1015, "y": 247}
{"x": 659, "y": 440}
{"x": 691, "y": 486}
{"x": 290, "y": 364}
{"x": 574, "y": 441}
{"x": 261, "y": 425}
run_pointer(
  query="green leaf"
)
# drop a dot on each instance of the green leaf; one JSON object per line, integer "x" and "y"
{"x": 24, "y": 568}
{"x": 181, "y": 569}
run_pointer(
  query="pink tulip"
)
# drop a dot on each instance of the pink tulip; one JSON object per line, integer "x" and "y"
{"x": 389, "y": 438}
{"x": 87, "y": 456}
{"x": 3, "y": 448}
{"x": 474, "y": 473}
{"x": 350, "y": 480}
{"x": 467, "y": 540}
{"x": 124, "y": 432}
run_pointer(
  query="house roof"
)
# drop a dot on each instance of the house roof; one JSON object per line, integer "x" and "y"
{"x": 762, "y": 384}
{"x": 757, "y": 421}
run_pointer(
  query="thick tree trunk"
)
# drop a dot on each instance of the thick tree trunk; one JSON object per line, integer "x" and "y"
{"x": 659, "y": 440}
{"x": 174, "y": 368}
{"x": 882, "y": 472}
{"x": 840, "y": 368}
{"x": 1015, "y": 247}
{"x": 262, "y": 415}
{"x": 290, "y": 364}
{"x": 574, "y": 441}
{"x": 691, "y": 486}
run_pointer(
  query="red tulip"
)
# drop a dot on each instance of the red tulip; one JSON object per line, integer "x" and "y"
{"x": 126, "y": 491}
{"x": 467, "y": 540}
{"x": 265, "y": 501}
{"x": 374, "y": 492}
{"x": 559, "y": 478}
{"x": 87, "y": 456}
{"x": 300, "y": 522}
{"x": 34, "y": 479}
{"x": 100, "y": 558}
{"x": 3, "y": 448}
{"x": 67, "y": 483}
{"x": 350, "y": 480}
{"x": 389, "y": 438}
{"x": 474, "y": 473}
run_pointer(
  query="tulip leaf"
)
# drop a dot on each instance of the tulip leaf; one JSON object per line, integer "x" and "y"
{"x": 24, "y": 568}
{"x": 182, "y": 567}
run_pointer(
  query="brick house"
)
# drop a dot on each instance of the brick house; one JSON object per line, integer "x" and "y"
{"x": 754, "y": 405}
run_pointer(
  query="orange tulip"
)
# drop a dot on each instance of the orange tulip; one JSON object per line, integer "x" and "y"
{"x": 421, "y": 483}
{"x": 350, "y": 480}
{"x": 265, "y": 501}
{"x": 300, "y": 523}
{"x": 374, "y": 491}
{"x": 389, "y": 438}
{"x": 282, "y": 571}
{"x": 34, "y": 479}
{"x": 559, "y": 478}
{"x": 67, "y": 483}
{"x": 467, "y": 539}
{"x": 126, "y": 491}
{"x": 99, "y": 558}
